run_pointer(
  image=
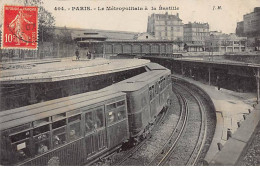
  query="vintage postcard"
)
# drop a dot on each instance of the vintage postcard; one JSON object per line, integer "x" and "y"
{"x": 129, "y": 83}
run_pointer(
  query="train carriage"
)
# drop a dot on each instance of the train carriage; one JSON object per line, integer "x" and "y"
{"x": 67, "y": 131}
{"x": 81, "y": 128}
{"x": 147, "y": 94}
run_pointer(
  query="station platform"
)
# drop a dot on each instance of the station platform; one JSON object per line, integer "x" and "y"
{"x": 231, "y": 107}
{"x": 236, "y": 146}
{"x": 216, "y": 60}
{"x": 64, "y": 69}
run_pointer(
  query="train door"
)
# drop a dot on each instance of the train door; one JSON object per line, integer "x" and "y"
{"x": 95, "y": 131}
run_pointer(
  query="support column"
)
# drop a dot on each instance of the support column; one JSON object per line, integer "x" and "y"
{"x": 132, "y": 49}
{"x": 32, "y": 94}
{"x": 150, "y": 49}
{"x": 166, "y": 49}
{"x": 104, "y": 50}
{"x": 182, "y": 72}
{"x": 141, "y": 49}
{"x": 209, "y": 75}
{"x": 159, "y": 45}
{"x": 112, "y": 49}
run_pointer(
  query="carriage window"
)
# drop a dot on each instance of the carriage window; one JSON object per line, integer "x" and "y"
{"x": 59, "y": 137}
{"x": 74, "y": 131}
{"x": 121, "y": 114}
{"x": 111, "y": 117}
{"x": 120, "y": 103}
{"x": 89, "y": 122}
{"x": 20, "y": 136}
{"x": 99, "y": 118}
{"x": 58, "y": 124}
{"x": 111, "y": 106}
{"x": 74, "y": 127}
{"x": 20, "y": 128}
{"x": 41, "y": 121}
{"x": 41, "y": 129}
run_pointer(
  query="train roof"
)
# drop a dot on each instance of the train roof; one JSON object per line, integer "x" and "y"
{"x": 63, "y": 69}
{"x": 22, "y": 115}
{"x": 155, "y": 66}
{"x": 139, "y": 81}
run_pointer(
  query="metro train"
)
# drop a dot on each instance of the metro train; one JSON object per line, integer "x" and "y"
{"x": 78, "y": 129}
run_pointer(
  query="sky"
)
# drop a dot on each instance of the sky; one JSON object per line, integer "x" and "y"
{"x": 224, "y": 19}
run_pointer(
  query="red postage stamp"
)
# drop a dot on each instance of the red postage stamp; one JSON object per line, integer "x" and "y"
{"x": 20, "y": 27}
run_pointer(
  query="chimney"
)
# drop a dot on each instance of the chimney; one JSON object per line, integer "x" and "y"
{"x": 177, "y": 15}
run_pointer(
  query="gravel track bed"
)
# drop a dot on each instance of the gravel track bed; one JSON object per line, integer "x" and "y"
{"x": 160, "y": 134}
{"x": 188, "y": 140}
{"x": 211, "y": 123}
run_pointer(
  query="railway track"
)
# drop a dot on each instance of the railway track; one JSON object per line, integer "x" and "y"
{"x": 210, "y": 120}
{"x": 179, "y": 139}
{"x": 161, "y": 156}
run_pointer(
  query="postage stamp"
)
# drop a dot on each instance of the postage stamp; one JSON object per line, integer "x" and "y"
{"x": 20, "y": 27}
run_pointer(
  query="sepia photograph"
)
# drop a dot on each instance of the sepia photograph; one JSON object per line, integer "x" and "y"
{"x": 129, "y": 83}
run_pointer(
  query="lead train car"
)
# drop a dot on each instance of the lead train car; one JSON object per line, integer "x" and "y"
{"x": 147, "y": 94}
{"x": 66, "y": 131}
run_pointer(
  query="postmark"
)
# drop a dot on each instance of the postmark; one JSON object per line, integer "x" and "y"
{"x": 20, "y": 27}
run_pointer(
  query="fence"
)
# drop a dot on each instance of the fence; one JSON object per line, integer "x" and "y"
{"x": 45, "y": 50}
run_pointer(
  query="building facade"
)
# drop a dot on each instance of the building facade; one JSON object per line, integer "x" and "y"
{"x": 252, "y": 22}
{"x": 165, "y": 27}
{"x": 225, "y": 43}
{"x": 250, "y": 27}
{"x": 240, "y": 29}
{"x": 194, "y": 36}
